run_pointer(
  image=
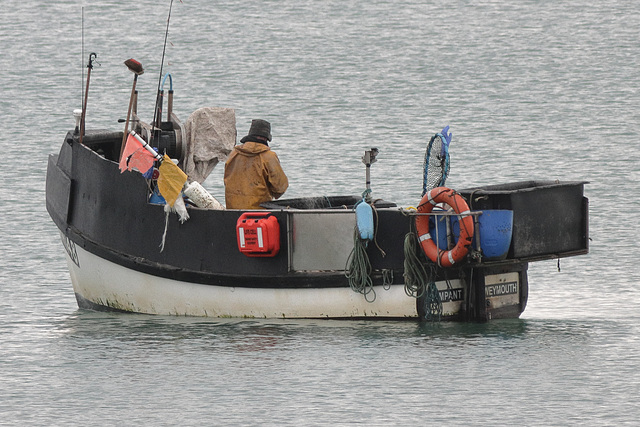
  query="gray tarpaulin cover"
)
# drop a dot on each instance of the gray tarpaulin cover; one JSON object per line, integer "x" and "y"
{"x": 210, "y": 134}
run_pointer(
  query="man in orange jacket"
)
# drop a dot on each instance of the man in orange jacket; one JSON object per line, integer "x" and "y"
{"x": 252, "y": 173}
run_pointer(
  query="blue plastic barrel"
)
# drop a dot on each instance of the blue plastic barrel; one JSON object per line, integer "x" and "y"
{"x": 438, "y": 227}
{"x": 496, "y": 228}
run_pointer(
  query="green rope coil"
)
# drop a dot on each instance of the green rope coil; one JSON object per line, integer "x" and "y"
{"x": 358, "y": 269}
{"x": 415, "y": 275}
{"x": 419, "y": 277}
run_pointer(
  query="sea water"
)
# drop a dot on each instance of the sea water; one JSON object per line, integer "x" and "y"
{"x": 530, "y": 90}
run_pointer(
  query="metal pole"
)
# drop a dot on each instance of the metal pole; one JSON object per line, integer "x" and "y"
{"x": 369, "y": 158}
{"x": 137, "y": 70}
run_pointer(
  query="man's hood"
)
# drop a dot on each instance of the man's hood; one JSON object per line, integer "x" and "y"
{"x": 251, "y": 148}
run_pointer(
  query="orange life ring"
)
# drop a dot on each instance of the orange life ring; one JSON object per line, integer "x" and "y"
{"x": 449, "y": 197}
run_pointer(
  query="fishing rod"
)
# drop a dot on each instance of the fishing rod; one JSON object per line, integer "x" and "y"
{"x": 82, "y": 57}
{"x": 156, "y": 119}
{"x": 92, "y": 57}
{"x": 161, "y": 98}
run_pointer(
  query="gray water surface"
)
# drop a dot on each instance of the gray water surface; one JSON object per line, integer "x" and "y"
{"x": 531, "y": 90}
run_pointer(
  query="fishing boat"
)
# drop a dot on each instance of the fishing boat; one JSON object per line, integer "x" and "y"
{"x": 462, "y": 254}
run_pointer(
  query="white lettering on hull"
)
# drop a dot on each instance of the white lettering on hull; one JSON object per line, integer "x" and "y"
{"x": 70, "y": 247}
{"x": 448, "y": 295}
{"x": 501, "y": 289}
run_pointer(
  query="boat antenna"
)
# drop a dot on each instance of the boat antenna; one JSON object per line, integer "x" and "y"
{"x": 164, "y": 49}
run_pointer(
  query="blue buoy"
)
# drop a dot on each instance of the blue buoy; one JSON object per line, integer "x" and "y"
{"x": 364, "y": 220}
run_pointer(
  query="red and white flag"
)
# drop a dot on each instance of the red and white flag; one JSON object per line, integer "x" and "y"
{"x": 135, "y": 156}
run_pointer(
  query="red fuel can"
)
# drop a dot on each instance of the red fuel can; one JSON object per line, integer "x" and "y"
{"x": 258, "y": 234}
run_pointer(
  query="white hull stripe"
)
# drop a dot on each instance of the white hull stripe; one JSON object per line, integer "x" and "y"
{"x": 107, "y": 284}
{"x": 101, "y": 282}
